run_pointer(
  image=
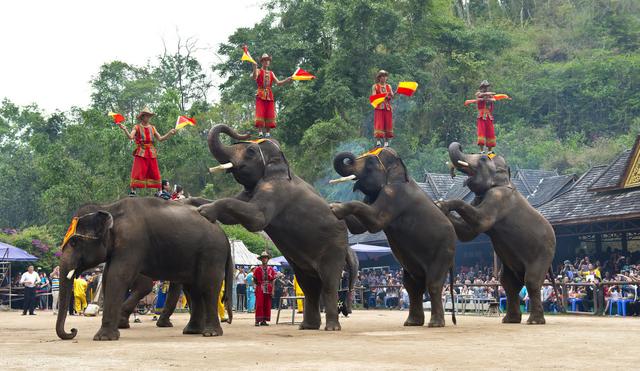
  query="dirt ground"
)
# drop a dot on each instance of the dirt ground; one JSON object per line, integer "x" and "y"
{"x": 369, "y": 339}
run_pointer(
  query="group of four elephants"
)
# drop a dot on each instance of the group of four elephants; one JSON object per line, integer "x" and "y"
{"x": 131, "y": 235}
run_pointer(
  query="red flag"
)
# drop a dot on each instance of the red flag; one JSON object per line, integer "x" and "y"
{"x": 376, "y": 99}
{"x": 302, "y": 75}
{"x": 184, "y": 121}
{"x": 117, "y": 118}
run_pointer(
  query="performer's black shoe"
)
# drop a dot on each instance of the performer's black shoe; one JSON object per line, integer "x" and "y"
{"x": 132, "y": 194}
{"x": 267, "y": 135}
{"x": 491, "y": 153}
{"x": 263, "y": 323}
{"x": 260, "y": 135}
{"x": 257, "y": 324}
{"x": 378, "y": 144}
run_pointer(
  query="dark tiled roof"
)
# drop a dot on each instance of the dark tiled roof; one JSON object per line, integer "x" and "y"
{"x": 368, "y": 238}
{"x": 579, "y": 205}
{"x": 531, "y": 177}
{"x": 550, "y": 187}
{"x": 611, "y": 177}
{"x": 429, "y": 190}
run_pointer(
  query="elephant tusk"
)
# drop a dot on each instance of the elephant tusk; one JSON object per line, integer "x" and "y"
{"x": 70, "y": 274}
{"x": 220, "y": 168}
{"x": 343, "y": 179}
{"x": 463, "y": 163}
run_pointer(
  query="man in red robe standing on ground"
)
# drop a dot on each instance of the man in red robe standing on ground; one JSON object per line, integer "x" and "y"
{"x": 265, "y": 105}
{"x": 264, "y": 277}
{"x": 382, "y": 116}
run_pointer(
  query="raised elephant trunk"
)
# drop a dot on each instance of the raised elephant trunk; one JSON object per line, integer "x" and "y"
{"x": 66, "y": 293}
{"x": 458, "y": 158}
{"x": 221, "y": 152}
{"x": 344, "y": 162}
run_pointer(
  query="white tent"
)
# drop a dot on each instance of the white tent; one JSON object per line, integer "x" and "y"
{"x": 242, "y": 255}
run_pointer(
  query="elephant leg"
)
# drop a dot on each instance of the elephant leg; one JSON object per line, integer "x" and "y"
{"x": 311, "y": 315}
{"x": 415, "y": 289}
{"x": 196, "y": 320}
{"x": 512, "y": 286}
{"x": 119, "y": 279}
{"x": 210, "y": 289}
{"x": 169, "y": 305}
{"x": 141, "y": 287}
{"x": 437, "y": 309}
{"x": 329, "y": 295}
{"x": 533, "y": 281}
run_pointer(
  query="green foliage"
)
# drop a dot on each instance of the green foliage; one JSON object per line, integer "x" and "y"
{"x": 255, "y": 242}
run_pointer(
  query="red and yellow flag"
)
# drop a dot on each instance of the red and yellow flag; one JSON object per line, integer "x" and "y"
{"x": 246, "y": 56}
{"x": 184, "y": 121}
{"x": 117, "y": 118}
{"x": 70, "y": 232}
{"x": 501, "y": 96}
{"x": 302, "y": 75}
{"x": 407, "y": 88}
{"x": 376, "y": 99}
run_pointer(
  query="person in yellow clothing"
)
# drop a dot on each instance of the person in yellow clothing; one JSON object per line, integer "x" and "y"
{"x": 80, "y": 295}
{"x": 299, "y": 292}
{"x": 221, "y": 312}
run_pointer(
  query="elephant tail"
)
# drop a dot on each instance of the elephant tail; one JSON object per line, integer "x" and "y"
{"x": 453, "y": 300}
{"x": 353, "y": 265}
{"x": 557, "y": 291}
{"x": 228, "y": 287}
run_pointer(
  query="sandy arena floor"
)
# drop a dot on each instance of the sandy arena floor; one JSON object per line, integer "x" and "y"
{"x": 369, "y": 339}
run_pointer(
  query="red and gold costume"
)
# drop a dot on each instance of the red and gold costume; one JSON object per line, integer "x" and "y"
{"x": 264, "y": 290}
{"x": 485, "y": 130}
{"x": 145, "y": 172}
{"x": 265, "y": 106}
{"x": 383, "y": 116}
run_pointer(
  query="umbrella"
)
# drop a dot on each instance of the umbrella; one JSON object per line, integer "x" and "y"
{"x": 280, "y": 260}
{"x": 14, "y": 254}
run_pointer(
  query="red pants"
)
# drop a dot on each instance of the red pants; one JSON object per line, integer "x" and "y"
{"x": 382, "y": 123}
{"x": 486, "y": 134}
{"x": 265, "y": 113}
{"x": 263, "y": 306}
{"x": 145, "y": 173}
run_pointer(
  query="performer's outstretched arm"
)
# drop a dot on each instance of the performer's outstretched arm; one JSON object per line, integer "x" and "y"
{"x": 130, "y": 135}
{"x": 162, "y": 138}
{"x": 278, "y": 82}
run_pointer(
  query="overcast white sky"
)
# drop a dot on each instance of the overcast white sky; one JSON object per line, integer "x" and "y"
{"x": 51, "y": 49}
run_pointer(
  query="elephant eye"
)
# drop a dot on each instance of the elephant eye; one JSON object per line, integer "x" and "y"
{"x": 251, "y": 151}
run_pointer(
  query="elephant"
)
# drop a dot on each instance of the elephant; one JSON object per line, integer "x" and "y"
{"x": 140, "y": 288}
{"x": 522, "y": 238}
{"x": 296, "y": 218}
{"x": 147, "y": 236}
{"x": 420, "y": 236}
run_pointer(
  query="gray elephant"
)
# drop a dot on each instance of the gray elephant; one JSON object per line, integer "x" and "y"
{"x": 522, "y": 238}
{"x": 296, "y": 218}
{"x": 132, "y": 237}
{"x": 421, "y": 237}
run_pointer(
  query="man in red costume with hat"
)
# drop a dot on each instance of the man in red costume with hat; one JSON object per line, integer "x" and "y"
{"x": 485, "y": 130}
{"x": 265, "y": 105}
{"x": 382, "y": 116}
{"x": 264, "y": 276}
{"x": 145, "y": 172}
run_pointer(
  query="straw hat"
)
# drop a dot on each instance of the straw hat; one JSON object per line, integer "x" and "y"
{"x": 265, "y": 56}
{"x": 484, "y": 83}
{"x": 145, "y": 111}
{"x": 381, "y": 73}
{"x": 264, "y": 255}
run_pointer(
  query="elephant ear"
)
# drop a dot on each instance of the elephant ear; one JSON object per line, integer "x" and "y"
{"x": 277, "y": 166}
{"x": 503, "y": 172}
{"x": 94, "y": 225}
{"x": 391, "y": 160}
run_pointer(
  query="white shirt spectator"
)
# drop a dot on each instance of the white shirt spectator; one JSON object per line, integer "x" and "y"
{"x": 241, "y": 278}
{"x": 29, "y": 279}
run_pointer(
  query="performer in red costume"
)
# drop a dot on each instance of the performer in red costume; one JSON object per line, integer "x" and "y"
{"x": 265, "y": 105}
{"x": 485, "y": 130}
{"x": 382, "y": 117}
{"x": 264, "y": 277}
{"x": 145, "y": 172}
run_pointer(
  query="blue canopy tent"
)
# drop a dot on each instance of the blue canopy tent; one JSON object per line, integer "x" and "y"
{"x": 10, "y": 254}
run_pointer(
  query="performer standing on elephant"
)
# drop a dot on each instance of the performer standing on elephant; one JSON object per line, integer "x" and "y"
{"x": 145, "y": 172}
{"x": 485, "y": 129}
{"x": 264, "y": 276}
{"x": 265, "y": 105}
{"x": 383, "y": 116}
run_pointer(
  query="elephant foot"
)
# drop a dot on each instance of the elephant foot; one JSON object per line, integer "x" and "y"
{"x": 335, "y": 326}
{"x": 536, "y": 319}
{"x": 124, "y": 323}
{"x": 436, "y": 323}
{"x": 105, "y": 334}
{"x": 164, "y": 322}
{"x": 309, "y": 326}
{"x": 212, "y": 331}
{"x": 191, "y": 329}
{"x": 512, "y": 318}
{"x": 414, "y": 321}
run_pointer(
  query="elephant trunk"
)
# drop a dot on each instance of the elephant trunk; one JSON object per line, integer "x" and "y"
{"x": 344, "y": 162}
{"x": 458, "y": 158}
{"x": 221, "y": 152}
{"x": 66, "y": 293}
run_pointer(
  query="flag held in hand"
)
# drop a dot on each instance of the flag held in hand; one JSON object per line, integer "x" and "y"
{"x": 184, "y": 121}
{"x": 302, "y": 75}
{"x": 246, "y": 56}
{"x": 407, "y": 88}
{"x": 376, "y": 99}
{"x": 117, "y": 118}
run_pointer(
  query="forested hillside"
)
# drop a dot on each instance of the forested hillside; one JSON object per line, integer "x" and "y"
{"x": 572, "y": 68}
